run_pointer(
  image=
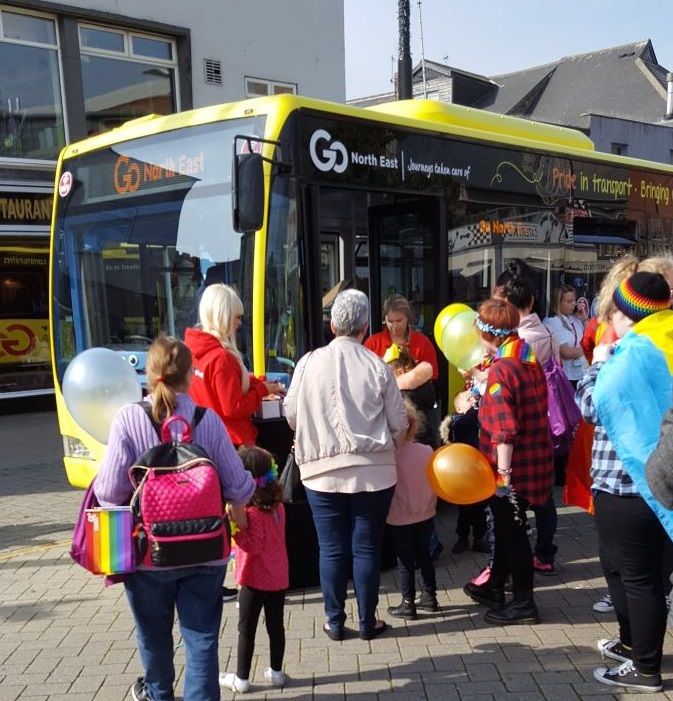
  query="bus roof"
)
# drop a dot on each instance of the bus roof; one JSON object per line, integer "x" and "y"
{"x": 419, "y": 114}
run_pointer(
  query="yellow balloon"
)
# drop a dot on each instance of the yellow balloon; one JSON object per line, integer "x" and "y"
{"x": 460, "y": 341}
{"x": 445, "y": 316}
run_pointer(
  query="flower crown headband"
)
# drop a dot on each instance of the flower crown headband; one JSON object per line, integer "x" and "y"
{"x": 271, "y": 475}
{"x": 489, "y": 328}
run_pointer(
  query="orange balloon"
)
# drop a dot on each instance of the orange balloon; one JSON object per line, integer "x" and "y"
{"x": 460, "y": 474}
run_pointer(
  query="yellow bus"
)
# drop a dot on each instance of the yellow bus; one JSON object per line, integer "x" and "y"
{"x": 290, "y": 199}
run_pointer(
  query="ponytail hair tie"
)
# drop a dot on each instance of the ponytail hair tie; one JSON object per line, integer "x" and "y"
{"x": 161, "y": 379}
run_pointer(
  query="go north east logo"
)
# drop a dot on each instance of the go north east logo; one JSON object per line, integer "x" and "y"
{"x": 329, "y": 154}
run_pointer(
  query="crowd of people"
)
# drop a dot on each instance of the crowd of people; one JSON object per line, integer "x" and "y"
{"x": 365, "y": 419}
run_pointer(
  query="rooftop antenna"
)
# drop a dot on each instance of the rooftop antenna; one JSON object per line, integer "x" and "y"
{"x": 420, "y": 20}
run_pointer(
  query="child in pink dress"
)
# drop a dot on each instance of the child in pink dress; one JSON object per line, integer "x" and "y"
{"x": 410, "y": 517}
{"x": 261, "y": 571}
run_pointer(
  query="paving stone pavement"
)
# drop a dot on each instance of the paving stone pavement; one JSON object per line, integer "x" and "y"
{"x": 63, "y": 635}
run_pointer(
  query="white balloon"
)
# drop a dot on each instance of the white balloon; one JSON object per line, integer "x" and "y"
{"x": 96, "y": 384}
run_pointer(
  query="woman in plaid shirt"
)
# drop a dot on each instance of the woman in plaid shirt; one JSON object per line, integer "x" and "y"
{"x": 516, "y": 440}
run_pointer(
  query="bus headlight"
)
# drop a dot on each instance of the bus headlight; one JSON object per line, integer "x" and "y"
{"x": 74, "y": 448}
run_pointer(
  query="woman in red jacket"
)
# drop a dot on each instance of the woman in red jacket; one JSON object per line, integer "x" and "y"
{"x": 221, "y": 381}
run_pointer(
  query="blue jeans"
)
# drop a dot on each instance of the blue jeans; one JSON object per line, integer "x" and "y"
{"x": 196, "y": 592}
{"x": 350, "y": 533}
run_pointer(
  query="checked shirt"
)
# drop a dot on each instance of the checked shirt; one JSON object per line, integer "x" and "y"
{"x": 514, "y": 410}
{"x": 607, "y": 471}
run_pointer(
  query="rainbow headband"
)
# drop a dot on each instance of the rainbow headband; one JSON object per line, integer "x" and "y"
{"x": 635, "y": 305}
{"x": 271, "y": 475}
{"x": 489, "y": 328}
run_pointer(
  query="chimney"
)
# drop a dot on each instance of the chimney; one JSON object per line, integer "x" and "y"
{"x": 669, "y": 97}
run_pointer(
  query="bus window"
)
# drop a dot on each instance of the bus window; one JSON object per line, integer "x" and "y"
{"x": 137, "y": 235}
{"x": 284, "y": 329}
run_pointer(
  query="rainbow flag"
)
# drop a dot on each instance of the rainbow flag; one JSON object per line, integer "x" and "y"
{"x": 109, "y": 540}
{"x": 633, "y": 391}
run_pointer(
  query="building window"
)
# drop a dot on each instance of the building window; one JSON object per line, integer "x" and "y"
{"x": 31, "y": 105}
{"x": 670, "y": 156}
{"x": 259, "y": 87}
{"x": 125, "y": 75}
{"x": 619, "y": 149}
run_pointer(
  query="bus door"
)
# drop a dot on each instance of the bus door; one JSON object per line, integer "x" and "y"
{"x": 404, "y": 243}
{"x": 406, "y": 253}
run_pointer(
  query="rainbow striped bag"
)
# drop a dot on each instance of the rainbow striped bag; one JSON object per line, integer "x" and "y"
{"x": 102, "y": 541}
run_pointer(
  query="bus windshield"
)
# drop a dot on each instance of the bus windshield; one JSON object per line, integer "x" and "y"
{"x": 141, "y": 228}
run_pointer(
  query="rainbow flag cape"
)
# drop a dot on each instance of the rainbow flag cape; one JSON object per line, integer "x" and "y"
{"x": 109, "y": 540}
{"x": 633, "y": 391}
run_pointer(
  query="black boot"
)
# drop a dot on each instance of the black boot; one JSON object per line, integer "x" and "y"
{"x": 489, "y": 594}
{"x": 407, "y": 610}
{"x": 427, "y": 602}
{"x": 521, "y": 609}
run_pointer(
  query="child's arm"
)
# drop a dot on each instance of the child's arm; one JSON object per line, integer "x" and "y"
{"x": 252, "y": 539}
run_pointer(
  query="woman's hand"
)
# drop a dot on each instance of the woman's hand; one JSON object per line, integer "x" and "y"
{"x": 601, "y": 353}
{"x": 236, "y": 513}
{"x": 275, "y": 388}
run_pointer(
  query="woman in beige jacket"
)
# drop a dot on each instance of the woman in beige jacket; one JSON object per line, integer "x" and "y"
{"x": 348, "y": 414}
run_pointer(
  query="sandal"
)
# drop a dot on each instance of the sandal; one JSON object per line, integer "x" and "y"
{"x": 335, "y": 634}
{"x": 379, "y": 627}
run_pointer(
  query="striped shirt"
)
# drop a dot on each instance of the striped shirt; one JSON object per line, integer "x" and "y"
{"x": 607, "y": 471}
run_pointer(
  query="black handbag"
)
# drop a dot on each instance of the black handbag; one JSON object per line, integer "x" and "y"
{"x": 290, "y": 480}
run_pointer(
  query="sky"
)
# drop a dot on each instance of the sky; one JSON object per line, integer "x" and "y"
{"x": 490, "y": 37}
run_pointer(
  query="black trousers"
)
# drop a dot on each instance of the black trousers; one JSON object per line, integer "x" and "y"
{"x": 250, "y": 605}
{"x": 632, "y": 546}
{"x": 512, "y": 553}
{"x": 412, "y": 547}
{"x": 472, "y": 517}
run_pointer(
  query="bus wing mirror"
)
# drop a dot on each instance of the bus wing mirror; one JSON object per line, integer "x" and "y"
{"x": 248, "y": 192}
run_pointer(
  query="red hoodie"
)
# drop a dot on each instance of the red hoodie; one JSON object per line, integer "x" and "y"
{"x": 217, "y": 386}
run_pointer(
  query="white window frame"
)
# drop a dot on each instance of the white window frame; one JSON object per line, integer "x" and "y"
{"x": 271, "y": 84}
{"x": 127, "y": 53}
{"x": 37, "y": 162}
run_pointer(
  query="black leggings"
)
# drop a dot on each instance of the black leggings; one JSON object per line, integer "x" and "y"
{"x": 250, "y": 605}
{"x": 632, "y": 551}
{"x": 512, "y": 553}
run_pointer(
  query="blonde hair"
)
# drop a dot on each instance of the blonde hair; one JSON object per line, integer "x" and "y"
{"x": 623, "y": 268}
{"x": 657, "y": 264}
{"x": 218, "y": 306}
{"x": 169, "y": 362}
{"x": 415, "y": 418}
{"x": 557, "y": 296}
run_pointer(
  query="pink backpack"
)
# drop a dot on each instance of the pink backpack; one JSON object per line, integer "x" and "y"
{"x": 178, "y": 503}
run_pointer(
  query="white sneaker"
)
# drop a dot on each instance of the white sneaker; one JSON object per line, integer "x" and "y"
{"x": 275, "y": 678}
{"x": 232, "y": 682}
{"x": 604, "y": 604}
